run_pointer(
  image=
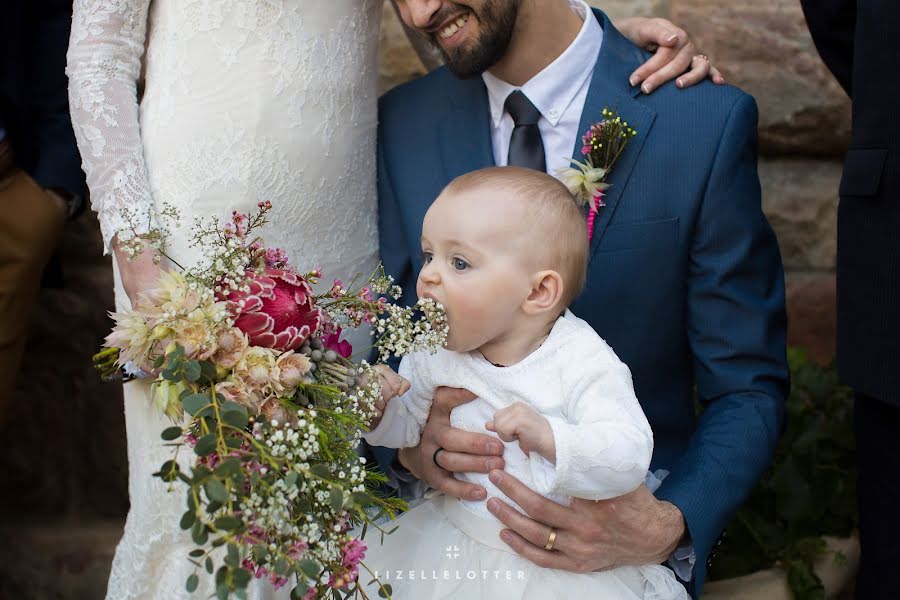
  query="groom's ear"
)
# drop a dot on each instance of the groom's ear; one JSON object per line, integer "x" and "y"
{"x": 546, "y": 292}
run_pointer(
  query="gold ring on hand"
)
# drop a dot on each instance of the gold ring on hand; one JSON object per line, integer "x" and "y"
{"x": 550, "y": 540}
{"x": 700, "y": 56}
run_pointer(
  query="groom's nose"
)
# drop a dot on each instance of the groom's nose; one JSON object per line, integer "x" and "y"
{"x": 420, "y": 13}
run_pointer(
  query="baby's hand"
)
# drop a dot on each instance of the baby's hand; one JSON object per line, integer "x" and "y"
{"x": 521, "y": 422}
{"x": 392, "y": 385}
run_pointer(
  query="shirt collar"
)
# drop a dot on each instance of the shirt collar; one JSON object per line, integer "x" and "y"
{"x": 555, "y": 87}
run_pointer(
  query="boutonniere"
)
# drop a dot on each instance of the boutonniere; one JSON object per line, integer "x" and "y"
{"x": 603, "y": 144}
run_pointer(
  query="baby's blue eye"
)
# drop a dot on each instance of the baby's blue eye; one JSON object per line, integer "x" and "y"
{"x": 427, "y": 257}
{"x": 459, "y": 264}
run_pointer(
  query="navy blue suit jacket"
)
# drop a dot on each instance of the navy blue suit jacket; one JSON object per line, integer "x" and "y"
{"x": 685, "y": 280}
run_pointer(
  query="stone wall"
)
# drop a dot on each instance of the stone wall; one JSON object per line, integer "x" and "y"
{"x": 63, "y": 456}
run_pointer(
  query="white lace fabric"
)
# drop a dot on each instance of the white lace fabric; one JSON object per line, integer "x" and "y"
{"x": 104, "y": 62}
{"x": 243, "y": 101}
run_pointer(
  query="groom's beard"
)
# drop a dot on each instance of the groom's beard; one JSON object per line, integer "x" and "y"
{"x": 496, "y": 23}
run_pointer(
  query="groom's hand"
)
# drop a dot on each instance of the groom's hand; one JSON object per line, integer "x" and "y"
{"x": 634, "y": 529}
{"x": 463, "y": 451}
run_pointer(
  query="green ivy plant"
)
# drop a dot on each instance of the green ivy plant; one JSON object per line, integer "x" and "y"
{"x": 809, "y": 492}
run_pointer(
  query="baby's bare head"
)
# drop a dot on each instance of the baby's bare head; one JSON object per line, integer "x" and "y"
{"x": 530, "y": 213}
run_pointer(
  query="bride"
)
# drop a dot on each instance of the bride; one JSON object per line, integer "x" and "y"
{"x": 243, "y": 101}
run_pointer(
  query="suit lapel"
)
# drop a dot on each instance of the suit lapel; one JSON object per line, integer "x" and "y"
{"x": 466, "y": 131}
{"x": 609, "y": 88}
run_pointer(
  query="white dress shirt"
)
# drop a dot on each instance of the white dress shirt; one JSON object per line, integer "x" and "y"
{"x": 558, "y": 92}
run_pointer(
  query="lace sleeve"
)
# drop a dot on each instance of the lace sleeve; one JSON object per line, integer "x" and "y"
{"x": 104, "y": 62}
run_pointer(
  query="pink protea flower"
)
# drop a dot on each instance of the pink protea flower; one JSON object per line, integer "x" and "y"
{"x": 333, "y": 341}
{"x": 280, "y": 311}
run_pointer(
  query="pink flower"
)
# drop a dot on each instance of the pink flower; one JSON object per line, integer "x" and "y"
{"x": 333, "y": 341}
{"x": 585, "y": 150}
{"x": 280, "y": 311}
{"x": 237, "y": 226}
{"x": 276, "y": 258}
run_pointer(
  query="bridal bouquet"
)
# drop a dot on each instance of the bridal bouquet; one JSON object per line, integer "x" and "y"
{"x": 251, "y": 368}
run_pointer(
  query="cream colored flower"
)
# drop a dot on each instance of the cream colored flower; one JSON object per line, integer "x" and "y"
{"x": 197, "y": 337}
{"x": 131, "y": 335}
{"x": 271, "y": 408}
{"x": 235, "y": 391}
{"x": 583, "y": 181}
{"x": 232, "y": 343}
{"x": 257, "y": 369}
{"x": 171, "y": 296}
{"x": 293, "y": 367}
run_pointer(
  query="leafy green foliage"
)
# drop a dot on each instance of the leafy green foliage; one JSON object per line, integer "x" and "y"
{"x": 229, "y": 454}
{"x": 809, "y": 492}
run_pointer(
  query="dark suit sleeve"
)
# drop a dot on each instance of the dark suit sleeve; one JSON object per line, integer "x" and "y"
{"x": 832, "y": 24}
{"x": 395, "y": 248}
{"x": 397, "y": 263}
{"x": 58, "y": 163}
{"x": 736, "y": 327}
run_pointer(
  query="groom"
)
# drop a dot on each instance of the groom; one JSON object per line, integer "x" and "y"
{"x": 685, "y": 280}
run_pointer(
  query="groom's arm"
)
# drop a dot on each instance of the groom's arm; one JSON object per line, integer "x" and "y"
{"x": 397, "y": 262}
{"x": 737, "y": 331}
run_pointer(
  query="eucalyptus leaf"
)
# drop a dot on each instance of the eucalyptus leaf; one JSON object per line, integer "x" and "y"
{"x": 242, "y": 577}
{"x": 171, "y": 433}
{"x": 310, "y": 568}
{"x": 215, "y": 491}
{"x": 206, "y": 445}
{"x": 235, "y": 419}
{"x": 194, "y": 403}
{"x": 192, "y": 582}
{"x": 188, "y": 519}
{"x": 232, "y": 558}
{"x": 228, "y": 523}
{"x": 208, "y": 370}
{"x": 300, "y": 590}
{"x": 336, "y": 498}
{"x": 192, "y": 370}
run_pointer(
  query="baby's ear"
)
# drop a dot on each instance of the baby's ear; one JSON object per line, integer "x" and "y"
{"x": 546, "y": 293}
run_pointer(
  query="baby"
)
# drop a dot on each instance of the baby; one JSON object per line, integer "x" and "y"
{"x": 505, "y": 251}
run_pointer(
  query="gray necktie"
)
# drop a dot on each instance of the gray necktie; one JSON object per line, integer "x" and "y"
{"x": 526, "y": 147}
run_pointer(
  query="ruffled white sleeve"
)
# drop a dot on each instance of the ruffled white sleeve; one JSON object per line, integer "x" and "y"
{"x": 604, "y": 444}
{"x": 404, "y": 417}
{"x": 104, "y": 63}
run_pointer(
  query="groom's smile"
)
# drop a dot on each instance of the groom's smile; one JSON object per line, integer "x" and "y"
{"x": 472, "y": 36}
{"x": 453, "y": 32}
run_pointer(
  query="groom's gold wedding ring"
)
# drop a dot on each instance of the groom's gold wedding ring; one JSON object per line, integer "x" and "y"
{"x": 550, "y": 540}
{"x": 434, "y": 457}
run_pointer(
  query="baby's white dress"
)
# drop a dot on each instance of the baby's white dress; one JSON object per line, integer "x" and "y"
{"x": 450, "y": 548}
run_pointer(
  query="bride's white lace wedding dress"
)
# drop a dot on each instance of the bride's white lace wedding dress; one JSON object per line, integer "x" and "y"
{"x": 243, "y": 101}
